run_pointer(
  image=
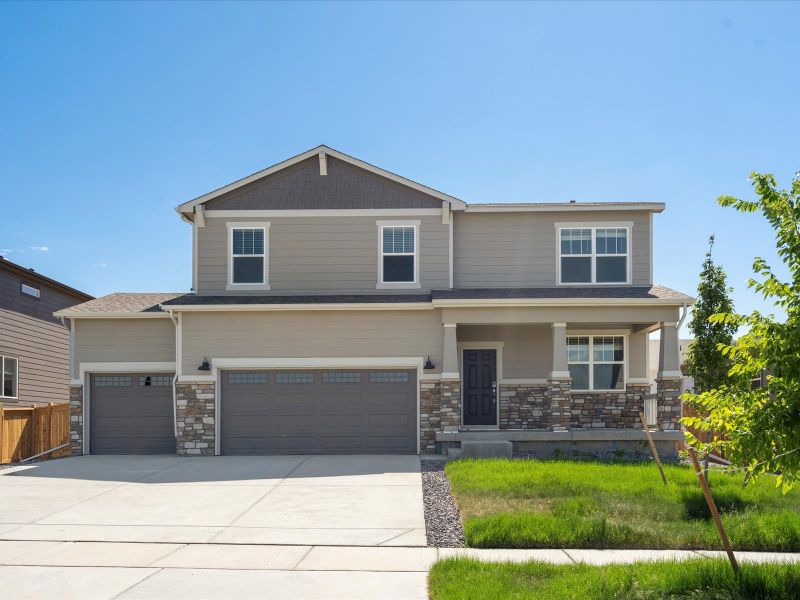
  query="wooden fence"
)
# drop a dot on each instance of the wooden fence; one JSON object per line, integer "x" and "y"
{"x": 27, "y": 430}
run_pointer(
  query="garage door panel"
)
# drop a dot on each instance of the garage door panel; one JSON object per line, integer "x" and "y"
{"x": 131, "y": 414}
{"x": 344, "y": 412}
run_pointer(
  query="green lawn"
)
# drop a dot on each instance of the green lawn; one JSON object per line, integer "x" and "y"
{"x": 573, "y": 504}
{"x": 458, "y": 578}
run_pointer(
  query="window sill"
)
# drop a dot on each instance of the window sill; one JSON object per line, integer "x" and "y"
{"x": 399, "y": 285}
{"x": 247, "y": 287}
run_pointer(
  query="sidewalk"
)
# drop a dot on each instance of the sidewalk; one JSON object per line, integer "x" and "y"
{"x": 42, "y": 569}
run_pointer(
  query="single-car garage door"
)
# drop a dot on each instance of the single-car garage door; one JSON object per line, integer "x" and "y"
{"x": 319, "y": 412}
{"x": 131, "y": 413}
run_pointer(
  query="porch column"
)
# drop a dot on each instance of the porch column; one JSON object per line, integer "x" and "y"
{"x": 669, "y": 378}
{"x": 559, "y": 381}
{"x": 450, "y": 353}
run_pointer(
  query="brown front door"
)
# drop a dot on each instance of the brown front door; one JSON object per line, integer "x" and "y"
{"x": 480, "y": 387}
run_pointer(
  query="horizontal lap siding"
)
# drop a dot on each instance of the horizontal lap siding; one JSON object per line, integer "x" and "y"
{"x": 42, "y": 348}
{"x": 124, "y": 340}
{"x": 311, "y": 334}
{"x": 527, "y": 349}
{"x": 322, "y": 254}
{"x": 519, "y": 249}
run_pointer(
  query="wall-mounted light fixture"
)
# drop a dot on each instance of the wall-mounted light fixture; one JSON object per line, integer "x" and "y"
{"x": 429, "y": 364}
{"x": 204, "y": 366}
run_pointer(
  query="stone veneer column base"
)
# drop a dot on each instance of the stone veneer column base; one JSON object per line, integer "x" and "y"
{"x": 668, "y": 400}
{"x": 560, "y": 410}
{"x": 196, "y": 419}
{"x": 76, "y": 419}
{"x": 524, "y": 406}
{"x": 439, "y": 410}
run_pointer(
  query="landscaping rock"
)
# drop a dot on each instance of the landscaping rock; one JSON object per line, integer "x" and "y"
{"x": 443, "y": 527}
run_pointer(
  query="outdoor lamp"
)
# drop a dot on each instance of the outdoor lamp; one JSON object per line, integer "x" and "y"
{"x": 205, "y": 366}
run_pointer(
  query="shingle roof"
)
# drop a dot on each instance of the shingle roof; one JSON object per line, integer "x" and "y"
{"x": 124, "y": 303}
{"x": 194, "y": 300}
{"x": 656, "y": 292}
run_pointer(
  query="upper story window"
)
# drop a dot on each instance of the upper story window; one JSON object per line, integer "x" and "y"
{"x": 8, "y": 377}
{"x": 29, "y": 290}
{"x": 399, "y": 255}
{"x": 594, "y": 255}
{"x": 596, "y": 362}
{"x": 247, "y": 252}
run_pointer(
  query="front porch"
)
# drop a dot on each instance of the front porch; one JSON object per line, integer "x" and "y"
{"x": 515, "y": 382}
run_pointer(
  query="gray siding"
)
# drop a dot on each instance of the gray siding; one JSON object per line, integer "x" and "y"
{"x": 51, "y": 299}
{"x": 519, "y": 249}
{"x": 637, "y": 354}
{"x": 42, "y": 350}
{"x": 322, "y": 254}
{"x": 311, "y": 334}
{"x": 527, "y": 349}
{"x": 302, "y": 187}
{"x": 124, "y": 340}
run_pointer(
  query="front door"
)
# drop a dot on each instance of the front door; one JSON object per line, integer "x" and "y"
{"x": 479, "y": 380}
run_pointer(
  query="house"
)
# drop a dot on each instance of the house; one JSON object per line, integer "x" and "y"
{"x": 34, "y": 345}
{"x": 340, "y": 308}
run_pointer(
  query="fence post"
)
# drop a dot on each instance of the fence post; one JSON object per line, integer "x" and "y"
{"x": 2, "y": 441}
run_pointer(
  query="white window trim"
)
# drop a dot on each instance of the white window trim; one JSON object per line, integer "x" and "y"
{"x": 248, "y": 286}
{"x": 3, "y": 376}
{"x": 594, "y": 226}
{"x": 398, "y": 285}
{"x": 591, "y": 362}
{"x": 30, "y": 291}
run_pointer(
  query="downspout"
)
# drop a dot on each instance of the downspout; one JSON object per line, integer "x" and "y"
{"x": 683, "y": 318}
{"x": 175, "y": 378}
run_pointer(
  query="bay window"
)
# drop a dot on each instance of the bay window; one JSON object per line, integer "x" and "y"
{"x": 596, "y": 362}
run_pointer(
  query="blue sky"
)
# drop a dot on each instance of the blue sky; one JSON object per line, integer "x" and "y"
{"x": 112, "y": 114}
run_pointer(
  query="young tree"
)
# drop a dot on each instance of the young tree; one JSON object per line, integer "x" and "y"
{"x": 761, "y": 427}
{"x": 706, "y": 362}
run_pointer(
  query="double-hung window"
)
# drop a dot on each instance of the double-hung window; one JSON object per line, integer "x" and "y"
{"x": 596, "y": 362}
{"x": 8, "y": 377}
{"x": 247, "y": 252}
{"x": 594, "y": 255}
{"x": 399, "y": 256}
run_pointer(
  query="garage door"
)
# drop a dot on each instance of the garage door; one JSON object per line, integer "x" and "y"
{"x": 131, "y": 414}
{"x": 319, "y": 412}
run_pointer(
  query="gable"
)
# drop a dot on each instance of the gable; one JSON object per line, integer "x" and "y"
{"x": 301, "y": 186}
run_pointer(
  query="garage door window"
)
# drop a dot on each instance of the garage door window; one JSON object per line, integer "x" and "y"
{"x": 247, "y": 378}
{"x": 155, "y": 380}
{"x": 388, "y": 377}
{"x": 112, "y": 381}
{"x": 294, "y": 377}
{"x": 341, "y": 377}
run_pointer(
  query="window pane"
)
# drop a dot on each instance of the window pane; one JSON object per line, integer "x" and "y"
{"x": 408, "y": 240}
{"x": 341, "y": 377}
{"x": 294, "y": 377}
{"x": 612, "y": 269}
{"x": 576, "y": 270}
{"x": 398, "y": 268}
{"x": 608, "y": 377}
{"x": 248, "y": 241}
{"x": 398, "y": 240}
{"x": 608, "y": 349}
{"x": 248, "y": 269}
{"x": 612, "y": 241}
{"x": 578, "y": 349}
{"x": 10, "y": 377}
{"x": 580, "y": 377}
{"x": 576, "y": 241}
{"x": 388, "y": 239}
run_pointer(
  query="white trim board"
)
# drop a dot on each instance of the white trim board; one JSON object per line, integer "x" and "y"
{"x": 326, "y": 212}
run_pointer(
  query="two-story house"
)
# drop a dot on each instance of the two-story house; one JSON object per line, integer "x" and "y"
{"x": 340, "y": 308}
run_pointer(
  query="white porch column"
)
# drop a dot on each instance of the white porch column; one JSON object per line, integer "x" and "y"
{"x": 669, "y": 359}
{"x": 450, "y": 353}
{"x": 560, "y": 366}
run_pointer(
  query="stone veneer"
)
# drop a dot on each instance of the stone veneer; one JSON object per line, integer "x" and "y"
{"x": 560, "y": 405}
{"x": 439, "y": 410}
{"x": 616, "y": 410}
{"x": 524, "y": 406}
{"x": 76, "y": 419}
{"x": 668, "y": 399}
{"x": 196, "y": 420}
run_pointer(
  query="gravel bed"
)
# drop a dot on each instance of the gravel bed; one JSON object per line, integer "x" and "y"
{"x": 443, "y": 527}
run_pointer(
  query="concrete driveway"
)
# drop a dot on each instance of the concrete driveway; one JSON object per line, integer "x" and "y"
{"x": 138, "y": 526}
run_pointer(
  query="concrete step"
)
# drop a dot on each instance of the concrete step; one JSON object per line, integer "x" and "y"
{"x": 486, "y": 449}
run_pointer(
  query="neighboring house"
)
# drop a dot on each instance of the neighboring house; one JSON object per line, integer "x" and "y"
{"x": 339, "y": 308}
{"x": 34, "y": 345}
{"x": 687, "y": 381}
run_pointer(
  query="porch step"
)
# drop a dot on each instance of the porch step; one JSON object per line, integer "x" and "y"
{"x": 475, "y": 449}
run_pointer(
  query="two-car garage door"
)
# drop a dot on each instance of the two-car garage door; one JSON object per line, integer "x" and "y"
{"x": 319, "y": 412}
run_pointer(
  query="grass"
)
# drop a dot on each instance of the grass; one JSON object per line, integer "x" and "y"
{"x": 702, "y": 579}
{"x": 569, "y": 504}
